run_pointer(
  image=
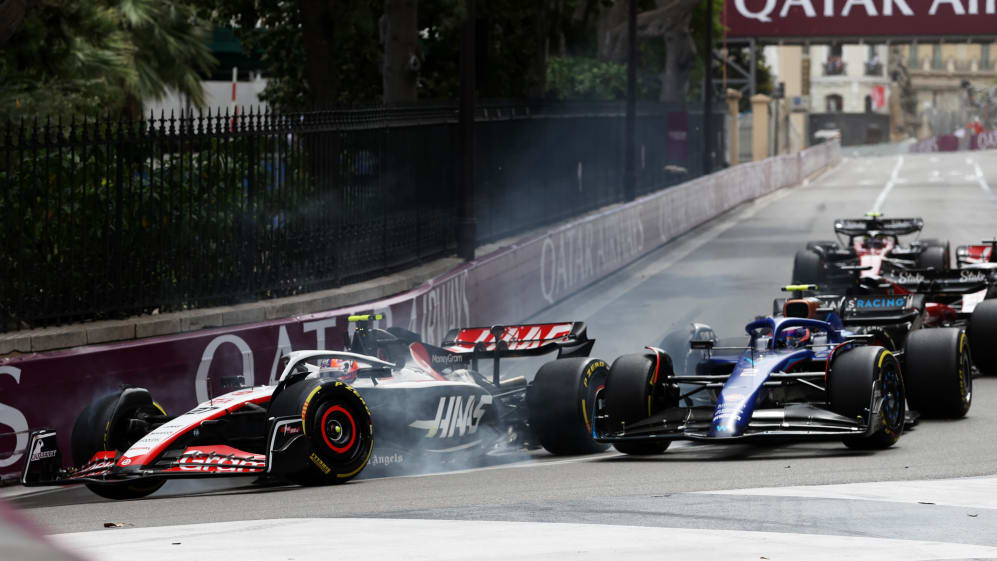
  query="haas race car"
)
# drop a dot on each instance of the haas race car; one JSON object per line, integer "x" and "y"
{"x": 795, "y": 378}
{"x": 870, "y": 246}
{"x": 316, "y": 424}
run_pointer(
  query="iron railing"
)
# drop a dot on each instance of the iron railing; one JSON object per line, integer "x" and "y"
{"x": 107, "y": 218}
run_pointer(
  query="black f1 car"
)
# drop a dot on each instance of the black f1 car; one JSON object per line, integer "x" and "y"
{"x": 870, "y": 245}
{"x": 795, "y": 378}
{"x": 315, "y": 426}
{"x": 940, "y": 324}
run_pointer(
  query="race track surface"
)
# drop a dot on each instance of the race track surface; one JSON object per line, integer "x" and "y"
{"x": 723, "y": 273}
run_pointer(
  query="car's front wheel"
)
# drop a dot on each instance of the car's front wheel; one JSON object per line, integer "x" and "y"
{"x": 865, "y": 384}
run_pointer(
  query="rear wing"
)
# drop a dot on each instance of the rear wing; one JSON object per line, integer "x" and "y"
{"x": 895, "y": 226}
{"x": 933, "y": 282}
{"x": 985, "y": 252}
{"x": 569, "y": 339}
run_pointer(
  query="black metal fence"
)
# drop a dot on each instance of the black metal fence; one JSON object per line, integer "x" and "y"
{"x": 103, "y": 218}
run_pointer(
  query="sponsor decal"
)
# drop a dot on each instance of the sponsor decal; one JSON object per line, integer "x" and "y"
{"x": 972, "y": 276}
{"x": 39, "y": 453}
{"x": 576, "y": 255}
{"x": 199, "y": 461}
{"x": 592, "y": 368}
{"x": 126, "y": 461}
{"x": 749, "y": 372}
{"x": 860, "y": 17}
{"x": 289, "y": 429}
{"x": 447, "y": 359}
{"x": 386, "y": 460}
{"x": 321, "y": 465}
{"x": 199, "y": 410}
{"x": 905, "y": 277}
{"x": 727, "y": 411}
{"x": 876, "y": 303}
{"x": 455, "y": 415}
{"x": 14, "y": 419}
{"x": 441, "y": 309}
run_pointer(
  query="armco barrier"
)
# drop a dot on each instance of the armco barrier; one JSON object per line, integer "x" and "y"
{"x": 514, "y": 282}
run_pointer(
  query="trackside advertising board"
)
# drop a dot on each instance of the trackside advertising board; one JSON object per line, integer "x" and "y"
{"x": 860, "y": 18}
{"x": 509, "y": 285}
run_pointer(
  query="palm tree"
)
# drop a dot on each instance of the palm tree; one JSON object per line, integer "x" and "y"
{"x": 66, "y": 56}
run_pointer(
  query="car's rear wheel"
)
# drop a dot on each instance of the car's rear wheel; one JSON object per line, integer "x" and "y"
{"x": 983, "y": 336}
{"x": 115, "y": 422}
{"x": 560, "y": 402}
{"x": 938, "y": 374}
{"x": 859, "y": 375}
{"x": 935, "y": 257}
{"x": 632, "y": 395}
{"x": 808, "y": 267}
{"x": 338, "y": 426}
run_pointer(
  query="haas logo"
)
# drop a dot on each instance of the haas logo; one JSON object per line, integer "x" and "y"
{"x": 455, "y": 415}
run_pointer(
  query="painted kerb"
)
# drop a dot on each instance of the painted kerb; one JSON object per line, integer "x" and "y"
{"x": 50, "y": 389}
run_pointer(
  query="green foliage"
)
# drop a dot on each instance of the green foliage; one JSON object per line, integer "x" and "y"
{"x": 585, "y": 78}
{"x": 592, "y": 79}
{"x": 82, "y": 57}
{"x": 138, "y": 199}
{"x": 272, "y": 29}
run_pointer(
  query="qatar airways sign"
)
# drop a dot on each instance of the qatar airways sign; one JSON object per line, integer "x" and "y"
{"x": 860, "y": 18}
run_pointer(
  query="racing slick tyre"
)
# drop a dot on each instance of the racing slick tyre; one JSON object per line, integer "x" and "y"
{"x": 560, "y": 402}
{"x": 934, "y": 257}
{"x": 982, "y": 333}
{"x": 337, "y": 423}
{"x": 853, "y": 377}
{"x": 115, "y": 422}
{"x": 808, "y": 267}
{"x": 938, "y": 373}
{"x": 631, "y": 395}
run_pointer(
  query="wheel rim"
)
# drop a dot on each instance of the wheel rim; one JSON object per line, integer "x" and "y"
{"x": 966, "y": 375}
{"x": 339, "y": 429}
{"x": 893, "y": 401}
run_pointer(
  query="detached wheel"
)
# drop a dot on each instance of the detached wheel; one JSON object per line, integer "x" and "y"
{"x": 982, "y": 333}
{"x": 336, "y": 422}
{"x": 630, "y": 396}
{"x": 808, "y": 267}
{"x": 939, "y": 374}
{"x": 115, "y": 422}
{"x": 560, "y": 403}
{"x": 865, "y": 380}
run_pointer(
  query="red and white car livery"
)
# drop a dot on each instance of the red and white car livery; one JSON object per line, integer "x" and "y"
{"x": 315, "y": 424}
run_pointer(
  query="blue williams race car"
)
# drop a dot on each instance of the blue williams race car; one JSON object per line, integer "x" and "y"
{"x": 796, "y": 378}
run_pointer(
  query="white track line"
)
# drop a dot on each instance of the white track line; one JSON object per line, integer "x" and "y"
{"x": 377, "y": 539}
{"x": 983, "y": 181}
{"x": 968, "y": 492}
{"x": 881, "y": 199}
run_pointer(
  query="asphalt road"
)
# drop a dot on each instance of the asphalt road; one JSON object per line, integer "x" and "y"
{"x": 724, "y": 273}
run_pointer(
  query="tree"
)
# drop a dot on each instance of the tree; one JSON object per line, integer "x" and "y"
{"x": 11, "y": 14}
{"x": 66, "y": 57}
{"x": 317, "y": 52}
{"x": 401, "y": 50}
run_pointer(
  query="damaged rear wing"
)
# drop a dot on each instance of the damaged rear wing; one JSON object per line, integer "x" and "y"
{"x": 569, "y": 339}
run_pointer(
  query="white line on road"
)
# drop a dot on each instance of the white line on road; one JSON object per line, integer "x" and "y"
{"x": 983, "y": 182}
{"x": 881, "y": 199}
{"x": 387, "y": 539}
{"x": 968, "y": 492}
